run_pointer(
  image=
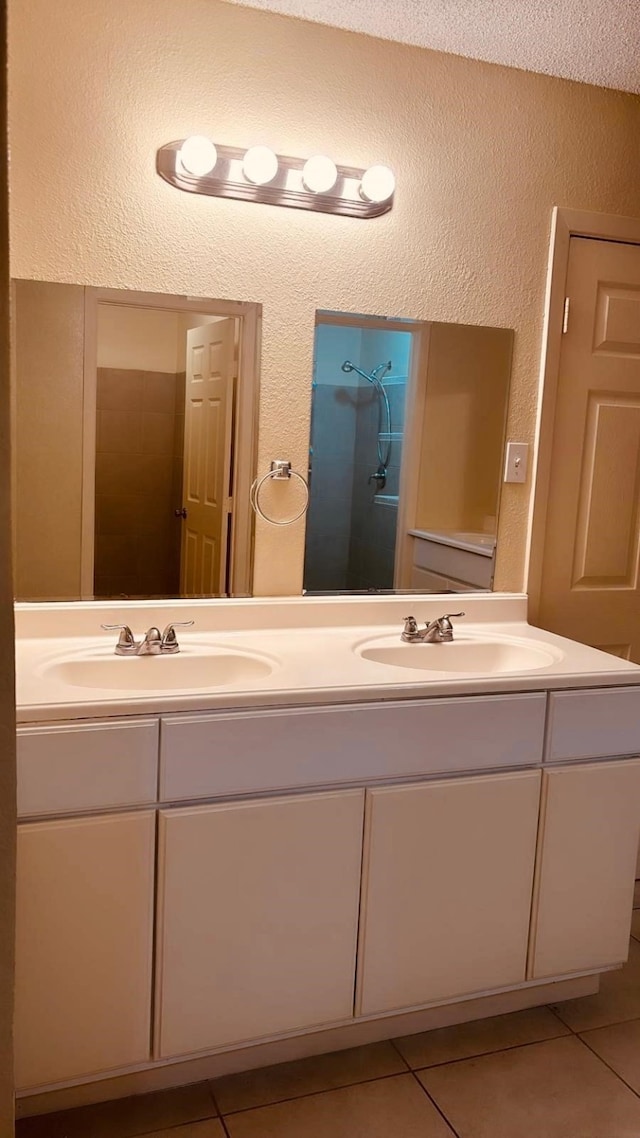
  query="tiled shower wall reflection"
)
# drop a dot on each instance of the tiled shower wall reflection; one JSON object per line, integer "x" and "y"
{"x": 374, "y": 514}
{"x": 139, "y": 452}
{"x": 351, "y": 527}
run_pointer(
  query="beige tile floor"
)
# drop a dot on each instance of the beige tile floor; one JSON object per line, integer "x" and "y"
{"x": 570, "y": 1071}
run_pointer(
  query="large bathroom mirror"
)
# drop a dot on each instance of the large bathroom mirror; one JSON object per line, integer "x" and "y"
{"x": 135, "y": 432}
{"x": 135, "y": 428}
{"x": 405, "y": 460}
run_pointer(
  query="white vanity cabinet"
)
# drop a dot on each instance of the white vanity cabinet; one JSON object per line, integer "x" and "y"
{"x": 254, "y": 873}
{"x": 589, "y": 832}
{"x": 448, "y": 877}
{"x": 83, "y": 946}
{"x": 257, "y": 918}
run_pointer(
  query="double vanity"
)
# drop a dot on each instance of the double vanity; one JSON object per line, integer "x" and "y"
{"x": 300, "y": 833}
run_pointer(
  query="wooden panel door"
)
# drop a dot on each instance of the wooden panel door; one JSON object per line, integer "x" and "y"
{"x": 590, "y": 589}
{"x": 447, "y": 889}
{"x": 207, "y": 457}
{"x": 590, "y": 827}
{"x": 84, "y": 929}
{"x": 257, "y": 922}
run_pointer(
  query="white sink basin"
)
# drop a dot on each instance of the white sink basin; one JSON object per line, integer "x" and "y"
{"x": 188, "y": 670}
{"x": 471, "y": 655}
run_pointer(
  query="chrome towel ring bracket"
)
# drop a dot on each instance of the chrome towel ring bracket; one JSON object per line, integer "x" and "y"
{"x": 280, "y": 471}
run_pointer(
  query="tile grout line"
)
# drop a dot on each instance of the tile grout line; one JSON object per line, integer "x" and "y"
{"x": 220, "y": 1116}
{"x": 579, "y": 1032}
{"x": 481, "y": 1054}
{"x": 563, "y": 1021}
{"x": 604, "y": 1061}
{"x": 556, "y": 1015}
{"x": 494, "y": 1051}
{"x": 224, "y": 1126}
{"x": 399, "y": 1052}
{"x": 424, "y": 1089}
{"x": 616, "y": 1023}
{"x": 310, "y": 1094}
{"x": 435, "y": 1105}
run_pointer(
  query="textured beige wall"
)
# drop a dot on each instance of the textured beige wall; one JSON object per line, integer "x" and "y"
{"x": 144, "y": 338}
{"x": 467, "y": 390}
{"x": 7, "y": 716}
{"x": 140, "y": 338}
{"x": 481, "y": 154}
{"x": 49, "y": 354}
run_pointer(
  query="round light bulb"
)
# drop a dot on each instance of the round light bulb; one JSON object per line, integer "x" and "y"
{"x": 378, "y": 183}
{"x": 319, "y": 174}
{"x": 260, "y": 165}
{"x": 198, "y": 155}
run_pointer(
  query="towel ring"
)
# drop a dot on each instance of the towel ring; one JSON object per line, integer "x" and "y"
{"x": 281, "y": 471}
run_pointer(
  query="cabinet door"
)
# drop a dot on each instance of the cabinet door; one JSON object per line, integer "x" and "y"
{"x": 258, "y": 912}
{"x": 84, "y": 944}
{"x": 447, "y": 889}
{"x": 589, "y": 834}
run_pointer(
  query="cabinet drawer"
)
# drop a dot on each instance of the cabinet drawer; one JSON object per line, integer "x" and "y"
{"x": 208, "y": 755}
{"x": 86, "y": 766}
{"x": 448, "y": 561}
{"x": 593, "y": 724}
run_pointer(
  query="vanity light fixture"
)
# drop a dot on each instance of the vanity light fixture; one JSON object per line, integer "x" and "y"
{"x": 378, "y": 184}
{"x": 319, "y": 174}
{"x": 260, "y": 165}
{"x": 198, "y": 155}
{"x": 198, "y": 166}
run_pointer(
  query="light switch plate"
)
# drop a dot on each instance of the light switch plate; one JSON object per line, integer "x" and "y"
{"x": 516, "y": 462}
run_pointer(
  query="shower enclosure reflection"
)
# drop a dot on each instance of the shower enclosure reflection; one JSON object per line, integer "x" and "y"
{"x": 357, "y": 423}
{"x": 407, "y": 438}
{"x": 384, "y": 417}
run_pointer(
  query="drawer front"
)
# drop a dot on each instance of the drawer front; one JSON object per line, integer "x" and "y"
{"x": 433, "y": 582}
{"x": 246, "y": 752}
{"x": 68, "y": 767}
{"x": 447, "y": 561}
{"x": 593, "y": 724}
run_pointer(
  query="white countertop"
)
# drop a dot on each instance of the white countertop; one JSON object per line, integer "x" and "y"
{"x": 311, "y": 644}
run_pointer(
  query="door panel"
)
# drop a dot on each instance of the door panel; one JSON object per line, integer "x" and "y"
{"x": 207, "y": 457}
{"x": 590, "y": 826}
{"x": 590, "y": 587}
{"x": 257, "y": 923}
{"x": 84, "y": 929}
{"x": 447, "y": 889}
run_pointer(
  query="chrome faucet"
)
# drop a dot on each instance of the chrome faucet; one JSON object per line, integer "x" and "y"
{"x": 439, "y": 631}
{"x": 153, "y": 643}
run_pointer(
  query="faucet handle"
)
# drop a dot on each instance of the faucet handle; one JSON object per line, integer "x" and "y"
{"x": 445, "y": 621}
{"x": 126, "y": 640}
{"x": 169, "y": 638}
{"x": 410, "y": 630}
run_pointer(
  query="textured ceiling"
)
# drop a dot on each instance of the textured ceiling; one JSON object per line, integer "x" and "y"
{"x": 594, "y": 41}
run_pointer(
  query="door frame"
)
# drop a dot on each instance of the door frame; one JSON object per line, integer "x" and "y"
{"x": 245, "y": 430}
{"x": 565, "y": 224}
